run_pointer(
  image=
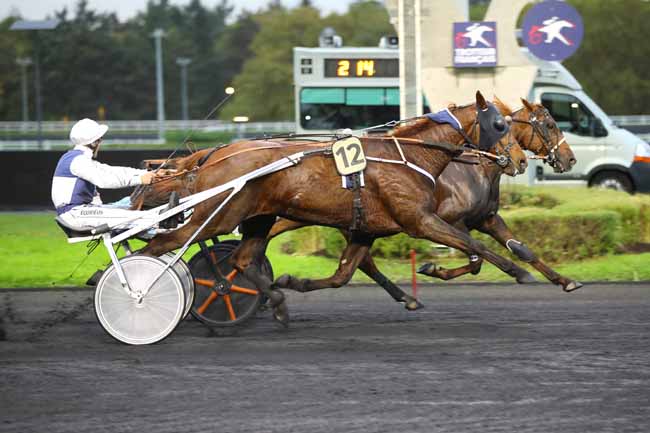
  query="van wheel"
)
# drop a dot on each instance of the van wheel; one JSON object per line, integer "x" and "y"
{"x": 613, "y": 180}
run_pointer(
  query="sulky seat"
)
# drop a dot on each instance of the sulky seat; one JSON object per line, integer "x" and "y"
{"x": 76, "y": 232}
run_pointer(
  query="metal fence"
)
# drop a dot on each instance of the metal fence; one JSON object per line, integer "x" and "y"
{"x": 24, "y": 135}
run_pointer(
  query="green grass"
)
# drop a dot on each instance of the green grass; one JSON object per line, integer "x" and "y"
{"x": 34, "y": 253}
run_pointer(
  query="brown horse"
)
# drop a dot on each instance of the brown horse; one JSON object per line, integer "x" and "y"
{"x": 396, "y": 197}
{"x": 468, "y": 198}
{"x": 532, "y": 126}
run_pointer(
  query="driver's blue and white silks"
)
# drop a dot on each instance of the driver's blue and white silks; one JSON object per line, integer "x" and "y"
{"x": 77, "y": 177}
{"x": 69, "y": 190}
{"x": 74, "y": 189}
{"x": 445, "y": 116}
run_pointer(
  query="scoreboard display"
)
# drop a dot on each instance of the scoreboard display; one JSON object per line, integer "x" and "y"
{"x": 361, "y": 68}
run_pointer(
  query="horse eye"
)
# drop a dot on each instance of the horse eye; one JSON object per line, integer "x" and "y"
{"x": 500, "y": 125}
{"x": 550, "y": 125}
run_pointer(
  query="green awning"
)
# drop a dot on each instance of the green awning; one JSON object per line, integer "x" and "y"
{"x": 365, "y": 96}
{"x": 322, "y": 95}
{"x": 392, "y": 96}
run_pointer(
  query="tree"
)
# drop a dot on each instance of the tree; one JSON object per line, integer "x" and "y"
{"x": 12, "y": 46}
{"x": 613, "y": 62}
{"x": 264, "y": 87}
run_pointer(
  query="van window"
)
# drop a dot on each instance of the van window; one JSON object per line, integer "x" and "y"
{"x": 571, "y": 115}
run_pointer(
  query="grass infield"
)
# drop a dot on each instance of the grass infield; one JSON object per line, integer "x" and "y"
{"x": 34, "y": 253}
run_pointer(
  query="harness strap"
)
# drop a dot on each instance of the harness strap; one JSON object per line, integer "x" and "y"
{"x": 403, "y": 162}
{"x": 358, "y": 214}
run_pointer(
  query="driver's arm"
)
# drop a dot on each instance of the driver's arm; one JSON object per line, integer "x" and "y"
{"x": 106, "y": 176}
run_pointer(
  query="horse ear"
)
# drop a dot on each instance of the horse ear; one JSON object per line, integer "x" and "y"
{"x": 527, "y": 104}
{"x": 500, "y": 105}
{"x": 480, "y": 100}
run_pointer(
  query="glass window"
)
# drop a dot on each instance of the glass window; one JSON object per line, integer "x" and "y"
{"x": 571, "y": 115}
{"x": 338, "y": 116}
{"x": 334, "y": 108}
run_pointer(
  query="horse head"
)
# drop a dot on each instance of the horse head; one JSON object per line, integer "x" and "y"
{"x": 537, "y": 131}
{"x": 480, "y": 123}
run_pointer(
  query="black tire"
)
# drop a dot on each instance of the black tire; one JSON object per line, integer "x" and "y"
{"x": 244, "y": 305}
{"x": 613, "y": 180}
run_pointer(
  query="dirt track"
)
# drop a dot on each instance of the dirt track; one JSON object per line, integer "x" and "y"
{"x": 477, "y": 359}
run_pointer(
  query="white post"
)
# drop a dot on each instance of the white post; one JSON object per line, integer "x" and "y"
{"x": 183, "y": 62}
{"x": 24, "y": 62}
{"x": 158, "y": 34}
{"x": 409, "y": 58}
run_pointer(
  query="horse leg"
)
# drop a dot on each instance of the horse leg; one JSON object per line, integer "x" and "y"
{"x": 353, "y": 253}
{"x": 497, "y": 228}
{"x": 369, "y": 268}
{"x": 473, "y": 266}
{"x": 248, "y": 258}
{"x": 425, "y": 225}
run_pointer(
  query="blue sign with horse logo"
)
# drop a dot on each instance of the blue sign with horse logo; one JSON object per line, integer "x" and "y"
{"x": 552, "y": 30}
{"x": 475, "y": 44}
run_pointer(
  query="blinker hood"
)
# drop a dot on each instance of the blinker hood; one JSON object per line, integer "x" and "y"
{"x": 492, "y": 126}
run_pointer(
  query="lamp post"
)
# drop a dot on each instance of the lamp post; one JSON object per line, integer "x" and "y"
{"x": 24, "y": 62}
{"x": 158, "y": 34}
{"x": 183, "y": 62}
{"x": 35, "y": 26}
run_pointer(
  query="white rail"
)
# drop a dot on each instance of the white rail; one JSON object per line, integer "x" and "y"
{"x": 152, "y": 126}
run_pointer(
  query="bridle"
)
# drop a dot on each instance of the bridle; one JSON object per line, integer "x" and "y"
{"x": 541, "y": 128}
{"x": 502, "y": 158}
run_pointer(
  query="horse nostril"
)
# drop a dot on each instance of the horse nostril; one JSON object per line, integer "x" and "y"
{"x": 572, "y": 162}
{"x": 522, "y": 166}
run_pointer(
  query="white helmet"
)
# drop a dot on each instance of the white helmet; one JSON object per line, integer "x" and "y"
{"x": 86, "y": 131}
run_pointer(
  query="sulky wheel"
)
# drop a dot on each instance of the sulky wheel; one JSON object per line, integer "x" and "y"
{"x": 223, "y": 306}
{"x": 152, "y": 318}
{"x": 185, "y": 275}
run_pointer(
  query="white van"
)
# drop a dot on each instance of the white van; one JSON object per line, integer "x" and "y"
{"x": 606, "y": 155}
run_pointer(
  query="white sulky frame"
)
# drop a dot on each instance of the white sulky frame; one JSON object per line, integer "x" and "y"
{"x": 186, "y": 203}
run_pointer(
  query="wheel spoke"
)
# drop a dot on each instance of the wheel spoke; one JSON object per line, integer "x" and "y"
{"x": 231, "y": 275}
{"x": 231, "y": 312}
{"x": 202, "y": 282}
{"x": 207, "y": 302}
{"x": 244, "y": 290}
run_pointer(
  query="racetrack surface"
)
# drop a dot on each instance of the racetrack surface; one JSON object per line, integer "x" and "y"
{"x": 478, "y": 358}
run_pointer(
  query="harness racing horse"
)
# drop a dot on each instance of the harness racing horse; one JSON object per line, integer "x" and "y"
{"x": 468, "y": 199}
{"x": 397, "y": 197}
{"x": 536, "y": 130}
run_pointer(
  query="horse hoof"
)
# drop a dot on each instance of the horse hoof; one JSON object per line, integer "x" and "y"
{"x": 427, "y": 269}
{"x": 526, "y": 278}
{"x": 573, "y": 285}
{"x": 283, "y": 281}
{"x": 281, "y": 314}
{"x": 276, "y": 298}
{"x": 412, "y": 304}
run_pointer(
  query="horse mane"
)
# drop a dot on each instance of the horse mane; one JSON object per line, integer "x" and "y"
{"x": 418, "y": 125}
{"x": 412, "y": 127}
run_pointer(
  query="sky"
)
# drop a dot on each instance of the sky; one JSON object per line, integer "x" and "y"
{"x": 39, "y": 9}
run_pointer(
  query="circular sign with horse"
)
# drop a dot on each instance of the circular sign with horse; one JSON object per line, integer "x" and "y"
{"x": 552, "y": 30}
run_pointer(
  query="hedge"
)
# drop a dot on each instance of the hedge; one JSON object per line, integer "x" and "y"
{"x": 557, "y": 223}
